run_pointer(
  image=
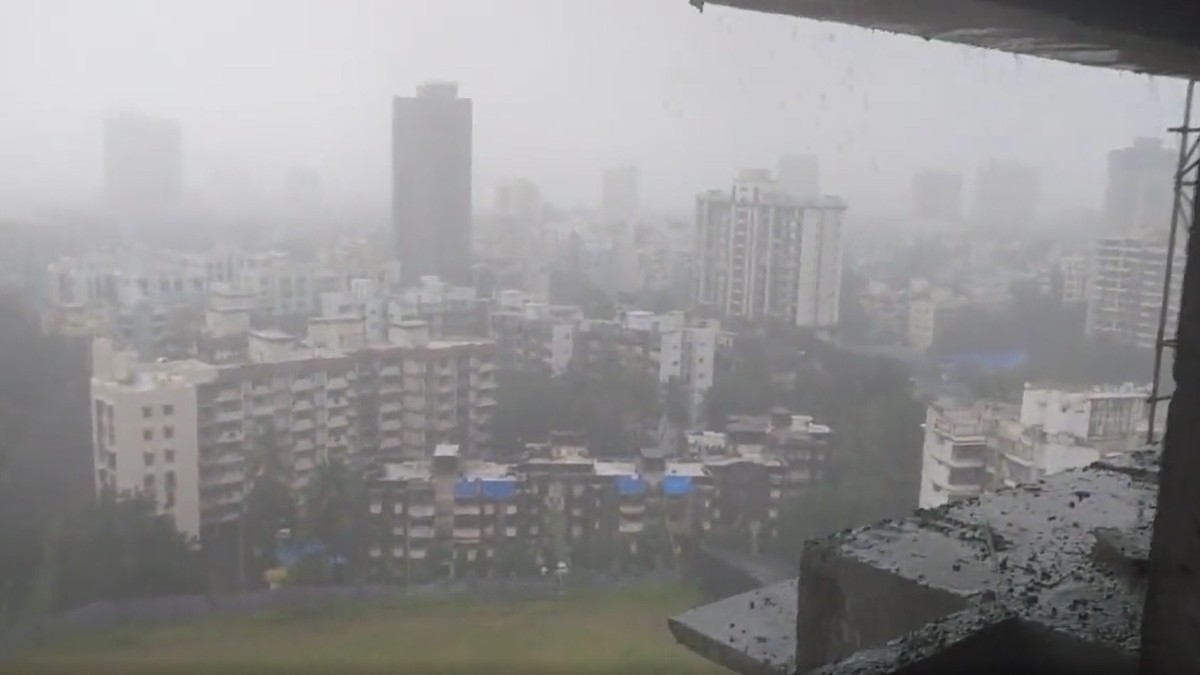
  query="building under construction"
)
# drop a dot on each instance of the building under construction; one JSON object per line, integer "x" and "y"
{"x": 1092, "y": 570}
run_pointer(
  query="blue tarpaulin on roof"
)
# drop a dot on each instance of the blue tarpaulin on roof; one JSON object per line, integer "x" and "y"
{"x": 466, "y": 489}
{"x": 630, "y": 485}
{"x": 498, "y": 488}
{"x": 676, "y": 485}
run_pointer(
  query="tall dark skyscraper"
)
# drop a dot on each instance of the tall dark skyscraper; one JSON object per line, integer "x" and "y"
{"x": 431, "y": 183}
{"x": 1139, "y": 195}
{"x": 143, "y": 162}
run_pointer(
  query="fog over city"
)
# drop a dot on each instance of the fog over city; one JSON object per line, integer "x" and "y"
{"x": 697, "y": 336}
{"x": 561, "y": 90}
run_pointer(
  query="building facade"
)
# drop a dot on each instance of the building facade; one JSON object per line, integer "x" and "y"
{"x": 1138, "y": 196}
{"x": 360, "y": 402}
{"x": 974, "y": 448}
{"x": 763, "y": 254}
{"x": 1126, "y": 290}
{"x": 431, "y": 183}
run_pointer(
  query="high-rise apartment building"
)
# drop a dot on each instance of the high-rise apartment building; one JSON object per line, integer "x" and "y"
{"x": 620, "y": 196}
{"x": 937, "y": 194}
{"x": 431, "y": 183}
{"x": 763, "y": 253}
{"x": 1138, "y": 196}
{"x": 1126, "y": 289}
{"x": 143, "y": 162}
{"x": 799, "y": 176}
{"x": 1006, "y": 196}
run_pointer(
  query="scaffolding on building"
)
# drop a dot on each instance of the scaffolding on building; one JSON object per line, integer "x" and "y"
{"x": 1187, "y": 178}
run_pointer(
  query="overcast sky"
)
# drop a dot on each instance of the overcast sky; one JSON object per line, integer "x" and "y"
{"x": 561, "y": 89}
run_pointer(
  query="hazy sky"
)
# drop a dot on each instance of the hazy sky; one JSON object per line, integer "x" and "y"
{"x": 561, "y": 88}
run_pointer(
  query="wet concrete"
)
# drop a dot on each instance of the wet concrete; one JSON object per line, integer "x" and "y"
{"x": 1061, "y": 558}
{"x": 749, "y": 633}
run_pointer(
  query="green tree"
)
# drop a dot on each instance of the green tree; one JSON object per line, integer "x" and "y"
{"x": 120, "y": 548}
{"x": 334, "y": 501}
{"x": 269, "y": 505}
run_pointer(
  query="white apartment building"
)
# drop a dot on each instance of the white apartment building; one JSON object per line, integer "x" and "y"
{"x": 972, "y": 448}
{"x": 1125, "y": 296}
{"x": 181, "y": 431}
{"x": 145, "y": 422}
{"x": 763, "y": 253}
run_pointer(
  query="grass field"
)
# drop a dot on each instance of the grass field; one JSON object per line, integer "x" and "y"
{"x": 584, "y": 632}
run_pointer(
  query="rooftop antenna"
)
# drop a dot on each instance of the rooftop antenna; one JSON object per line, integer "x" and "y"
{"x": 1187, "y": 177}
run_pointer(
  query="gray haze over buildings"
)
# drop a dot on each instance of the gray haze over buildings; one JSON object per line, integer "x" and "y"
{"x": 561, "y": 91}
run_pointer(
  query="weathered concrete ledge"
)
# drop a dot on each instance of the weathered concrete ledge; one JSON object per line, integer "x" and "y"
{"x": 751, "y": 633}
{"x": 1054, "y": 568}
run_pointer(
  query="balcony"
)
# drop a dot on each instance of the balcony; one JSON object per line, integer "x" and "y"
{"x": 626, "y": 527}
{"x": 420, "y": 532}
{"x": 230, "y": 416}
{"x": 336, "y": 384}
{"x": 466, "y": 534}
{"x": 390, "y": 425}
{"x": 510, "y": 531}
{"x": 302, "y": 425}
{"x": 302, "y": 384}
{"x": 421, "y": 511}
{"x": 632, "y": 509}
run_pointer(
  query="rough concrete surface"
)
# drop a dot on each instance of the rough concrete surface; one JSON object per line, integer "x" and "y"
{"x": 1054, "y": 567}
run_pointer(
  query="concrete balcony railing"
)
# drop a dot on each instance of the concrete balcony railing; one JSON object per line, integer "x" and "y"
{"x": 420, "y": 532}
{"x": 467, "y": 533}
{"x": 420, "y": 510}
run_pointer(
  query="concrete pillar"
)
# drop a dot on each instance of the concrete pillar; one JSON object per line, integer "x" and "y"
{"x": 1171, "y": 623}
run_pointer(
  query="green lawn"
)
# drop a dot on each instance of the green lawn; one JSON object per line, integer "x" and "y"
{"x": 584, "y": 632}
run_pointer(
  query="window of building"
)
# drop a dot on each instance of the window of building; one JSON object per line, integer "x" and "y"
{"x": 168, "y": 409}
{"x": 147, "y": 434}
{"x": 148, "y": 482}
{"x": 169, "y": 455}
{"x": 147, "y": 412}
{"x": 168, "y": 432}
{"x": 148, "y": 458}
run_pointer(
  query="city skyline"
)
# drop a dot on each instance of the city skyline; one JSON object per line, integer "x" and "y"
{"x": 259, "y": 112}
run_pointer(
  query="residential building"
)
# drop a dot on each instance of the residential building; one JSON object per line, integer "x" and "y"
{"x": 930, "y": 311}
{"x": 1006, "y": 196}
{"x": 454, "y": 516}
{"x": 1126, "y": 290}
{"x": 146, "y": 431}
{"x": 973, "y": 448}
{"x": 763, "y": 254}
{"x": 1074, "y": 272}
{"x": 1138, "y": 197}
{"x": 333, "y": 395}
{"x": 431, "y": 183}
{"x": 143, "y": 162}
{"x": 937, "y": 194}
